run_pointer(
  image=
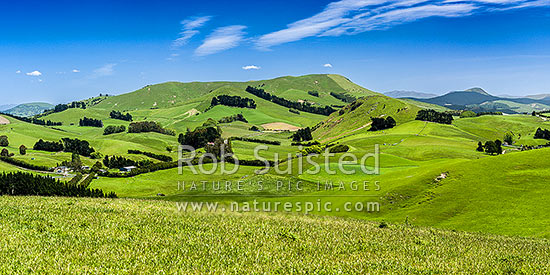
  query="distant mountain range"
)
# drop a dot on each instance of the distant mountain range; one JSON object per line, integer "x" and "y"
{"x": 29, "y": 109}
{"x": 409, "y": 94}
{"x": 477, "y": 99}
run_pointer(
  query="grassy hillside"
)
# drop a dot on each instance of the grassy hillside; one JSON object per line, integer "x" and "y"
{"x": 175, "y": 93}
{"x": 29, "y": 109}
{"x": 356, "y": 117}
{"x": 477, "y": 192}
{"x": 134, "y": 236}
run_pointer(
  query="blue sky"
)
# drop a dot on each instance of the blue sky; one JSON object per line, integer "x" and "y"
{"x": 59, "y": 51}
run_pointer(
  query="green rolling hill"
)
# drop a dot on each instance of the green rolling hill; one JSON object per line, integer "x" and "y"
{"x": 29, "y": 109}
{"x": 356, "y": 117}
{"x": 503, "y": 194}
{"x": 294, "y": 88}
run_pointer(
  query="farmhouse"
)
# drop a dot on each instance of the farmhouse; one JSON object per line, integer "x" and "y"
{"x": 127, "y": 169}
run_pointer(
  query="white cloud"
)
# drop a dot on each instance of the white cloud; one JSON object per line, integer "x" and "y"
{"x": 348, "y": 17}
{"x": 251, "y": 67}
{"x": 18, "y": 72}
{"x": 328, "y": 65}
{"x": 34, "y": 73}
{"x": 105, "y": 70}
{"x": 221, "y": 39}
{"x": 75, "y": 71}
{"x": 189, "y": 29}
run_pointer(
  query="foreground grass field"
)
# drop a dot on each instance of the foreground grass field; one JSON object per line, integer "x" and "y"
{"x": 68, "y": 235}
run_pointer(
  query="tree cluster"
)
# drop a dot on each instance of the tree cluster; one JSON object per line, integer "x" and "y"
{"x": 304, "y": 106}
{"x": 90, "y": 122}
{"x": 340, "y": 148}
{"x": 6, "y": 153}
{"x": 118, "y": 115}
{"x": 542, "y": 134}
{"x": 294, "y": 111}
{"x": 120, "y": 162}
{"x": 233, "y": 101}
{"x": 229, "y": 119}
{"x": 81, "y": 147}
{"x": 380, "y": 123}
{"x": 219, "y": 148}
{"x": 199, "y": 137}
{"x": 49, "y": 146}
{"x": 313, "y": 93}
{"x": 160, "y": 157}
{"x": 149, "y": 126}
{"x": 4, "y": 142}
{"x": 434, "y": 116}
{"x": 27, "y": 184}
{"x": 343, "y": 97}
{"x": 306, "y": 144}
{"x": 490, "y": 147}
{"x": 113, "y": 129}
{"x": 303, "y": 134}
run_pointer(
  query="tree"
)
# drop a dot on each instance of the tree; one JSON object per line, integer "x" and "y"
{"x": 113, "y": 129}
{"x": 434, "y": 116}
{"x": 23, "y": 150}
{"x": 200, "y": 136}
{"x": 120, "y": 116}
{"x": 498, "y": 148}
{"x": 542, "y": 134}
{"x": 493, "y": 147}
{"x": 75, "y": 161}
{"x": 490, "y": 147}
{"x": 90, "y": 122}
{"x": 509, "y": 138}
{"x": 4, "y": 141}
{"x": 302, "y": 135}
{"x": 5, "y": 153}
{"x": 382, "y": 123}
{"x": 480, "y": 147}
{"x": 220, "y": 148}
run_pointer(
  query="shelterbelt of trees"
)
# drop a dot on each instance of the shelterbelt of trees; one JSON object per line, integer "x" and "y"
{"x": 27, "y": 184}
{"x": 118, "y": 115}
{"x": 81, "y": 147}
{"x": 304, "y": 107}
{"x": 149, "y": 126}
{"x": 233, "y": 101}
{"x": 434, "y": 116}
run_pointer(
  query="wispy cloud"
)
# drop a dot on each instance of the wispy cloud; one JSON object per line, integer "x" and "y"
{"x": 75, "y": 70}
{"x": 221, "y": 39}
{"x": 105, "y": 70}
{"x": 328, "y": 65}
{"x": 189, "y": 29}
{"x": 251, "y": 67}
{"x": 349, "y": 17}
{"x": 18, "y": 71}
{"x": 34, "y": 73}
